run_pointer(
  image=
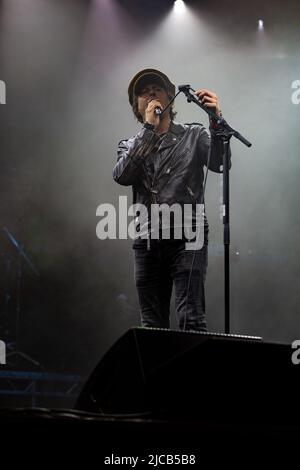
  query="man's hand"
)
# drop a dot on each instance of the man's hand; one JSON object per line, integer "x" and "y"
{"x": 150, "y": 115}
{"x": 209, "y": 99}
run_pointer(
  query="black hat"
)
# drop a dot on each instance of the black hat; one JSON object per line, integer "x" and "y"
{"x": 145, "y": 77}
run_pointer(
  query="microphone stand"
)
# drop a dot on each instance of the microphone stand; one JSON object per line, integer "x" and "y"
{"x": 225, "y": 132}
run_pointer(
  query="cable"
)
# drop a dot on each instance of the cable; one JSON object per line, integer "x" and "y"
{"x": 194, "y": 256}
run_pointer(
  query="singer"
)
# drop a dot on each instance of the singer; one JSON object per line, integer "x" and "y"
{"x": 164, "y": 163}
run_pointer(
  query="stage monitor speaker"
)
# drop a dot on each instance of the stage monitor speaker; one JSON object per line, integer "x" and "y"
{"x": 165, "y": 373}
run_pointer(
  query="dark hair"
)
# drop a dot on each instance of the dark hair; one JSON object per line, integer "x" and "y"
{"x": 139, "y": 116}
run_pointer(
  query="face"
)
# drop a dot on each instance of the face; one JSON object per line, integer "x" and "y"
{"x": 151, "y": 92}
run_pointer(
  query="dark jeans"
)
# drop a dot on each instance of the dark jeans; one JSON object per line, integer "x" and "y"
{"x": 167, "y": 262}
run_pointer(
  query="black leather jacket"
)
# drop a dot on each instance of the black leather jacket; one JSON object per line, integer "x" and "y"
{"x": 169, "y": 168}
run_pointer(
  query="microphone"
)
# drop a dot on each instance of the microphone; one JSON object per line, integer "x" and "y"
{"x": 158, "y": 111}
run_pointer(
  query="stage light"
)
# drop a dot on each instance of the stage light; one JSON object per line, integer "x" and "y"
{"x": 179, "y": 6}
{"x": 260, "y": 25}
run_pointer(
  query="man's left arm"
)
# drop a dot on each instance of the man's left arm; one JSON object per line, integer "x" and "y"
{"x": 212, "y": 146}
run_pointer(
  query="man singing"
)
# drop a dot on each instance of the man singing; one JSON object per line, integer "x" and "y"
{"x": 164, "y": 163}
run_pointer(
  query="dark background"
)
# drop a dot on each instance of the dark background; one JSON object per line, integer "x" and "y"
{"x": 67, "y": 65}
